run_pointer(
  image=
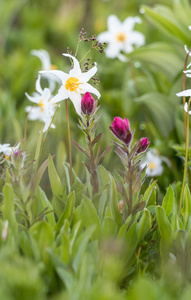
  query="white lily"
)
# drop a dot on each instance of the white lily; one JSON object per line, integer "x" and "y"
{"x": 121, "y": 37}
{"x": 44, "y": 110}
{"x": 7, "y": 150}
{"x": 74, "y": 84}
{"x": 184, "y": 93}
{"x": 46, "y": 66}
{"x": 154, "y": 164}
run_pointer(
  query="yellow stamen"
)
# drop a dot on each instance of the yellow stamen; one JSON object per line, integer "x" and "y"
{"x": 53, "y": 67}
{"x": 41, "y": 104}
{"x": 6, "y": 157}
{"x": 72, "y": 84}
{"x": 121, "y": 37}
{"x": 152, "y": 165}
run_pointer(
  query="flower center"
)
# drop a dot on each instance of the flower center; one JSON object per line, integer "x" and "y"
{"x": 53, "y": 67}
{"x": 41, "y": 104}
{"x": 72, "y": 84}
{"x": 6, "y": 157}
{"x": 152, "y": 166}
{"x": 121, "y": 37}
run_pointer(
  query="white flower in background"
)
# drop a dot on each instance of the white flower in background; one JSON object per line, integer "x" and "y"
{"x": 5, "y": 230}
{"x": 121, "y": 37}
{"x": 46, "y": 66}
{"x": 44, "y": 109}
{"x": 185, "y": 46}
{"x": 7, "y": 150}
{"x": 74, "y": 84}
{"x": 185, "y": 93}
{"x": 153, "y": 163}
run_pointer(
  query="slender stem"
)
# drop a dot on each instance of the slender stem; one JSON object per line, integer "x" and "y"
{"x": 25, "y": 129}
{"x": 69, "y": 142}
{"x": 130, "y": 204}
{"x": 186, "y": 157}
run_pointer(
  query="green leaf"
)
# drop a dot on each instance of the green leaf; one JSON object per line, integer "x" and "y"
{"x": 54, "y": 178}
{"x": 80, "y": 247}
{"x": 148, "y": 195}
{"x": 68, "y": 211}
{"x": 38, "y": 148}
{"x": 144, "y": 225}
{"x": 90, "y": 217}
{"x": 109, "y": 228}
{"x": 8, "y": 207}
{"x": 115, "y": 204}
{"x": 168, "y": 201}
{"x": 186, "y": 210}
{"x": 46, "y": 204}
{"x": 165, "y": 232}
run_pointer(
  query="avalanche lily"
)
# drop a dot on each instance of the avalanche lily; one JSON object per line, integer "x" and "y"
{"x": 154, "y": 164}
{"x": 47, "y": 66}
{"x": 121, "y": 37}
{"x": 74, "y": 84}
{"x": 44, "y": 110}
{"x": 7, "y": 150}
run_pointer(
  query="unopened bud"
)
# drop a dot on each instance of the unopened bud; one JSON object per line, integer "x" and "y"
{"x": 87, "y": 104}
{"x": 121, "y": 205}
{"x": 144, "y": 143}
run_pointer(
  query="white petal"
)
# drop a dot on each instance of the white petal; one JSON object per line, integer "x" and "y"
{"x": 185, "y": 93}
{"x": 61, "y": 75}
{"x": 76, "y": 100}
{"x": 186, "y": 108}
{"x": 89, "y": 88}
{"x": 35, "y": 99}
{"x": 113, "y": 23}
{"x": 76, "y": 71}
{"x": 38, "y": 86}
{"x": 104, "y": 37}
{"x": 113, "y": 50}
{"x": 136, "y": 38}
{"x": 44, "y": 57}
{"x": 122, "y": 58}
{"x": 62, "y": 95}
{"x": 130, "y": 22}
{"x": 85, "y": 77}
{"x": 46, "y": 95}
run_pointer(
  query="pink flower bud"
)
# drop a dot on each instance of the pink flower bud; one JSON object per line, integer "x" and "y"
{"x": 144, "y": 143}
{"x": 121, "y": 129}
{"x": 87, "y": 104}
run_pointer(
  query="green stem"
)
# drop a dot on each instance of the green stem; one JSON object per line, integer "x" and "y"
{"x": 69, "y": 142}
{"x": 183, "y": 88}
{"x": 186, "y": 157}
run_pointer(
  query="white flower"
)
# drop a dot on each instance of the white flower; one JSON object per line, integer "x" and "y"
{"x": 74, "y": 84}
{"x": 47, "y": 66}
{"x": 44, "y": 110}
{"x": 7, "y": 150}
{"x": 186, "y": 108}
{"x": 121, "y": 36}
{"x": 154, "y": 164}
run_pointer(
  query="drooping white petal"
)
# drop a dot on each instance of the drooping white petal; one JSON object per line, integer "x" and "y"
{"x": 46, "y": 94}
{"x": 122, "y": 58}
{"x": 186, "y": 108}
{"x": 44, "y": 57}
{"x": 38, "y": 86}
{"x": 185, "y": 93}
{"x": 76, "y": 71}
{"x": 76, "y": 100}
{"x": 85, "y": 77}
{"x": 61, "y": 75}
{"x": 104, "y": 37}
{"x": 130, "y": 22}
{"x": 113, "y": 23}
{"x": 86, "y": 87}
{"x": 35, "y": 99}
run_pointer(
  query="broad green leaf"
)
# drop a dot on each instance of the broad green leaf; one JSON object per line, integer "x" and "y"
{"x": 54, "y": 178}
{"x": 80, "y": 247}
{"x": 103, "y": 175}
{"x": 46, "y": 204}
{"x": 8, "y": 207}
{"x": 165, "y": 232}
{"x": 68, "y": 211}
{"x": 90, "y": 217}
{"x": 144, "y": 225}
{"x": 109, "y": 228}
{"x": 164, "y": 19}
{"x": 148, "y": 196}
{"x": 114, "y": 203}
{"x": 186, "y": 210}
{"x": 131, "y": 240}
{"x": 168, "y": 201}
{"x": 123, "y": 229}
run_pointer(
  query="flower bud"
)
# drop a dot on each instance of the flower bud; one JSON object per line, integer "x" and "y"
{"x": 144, "y": 143}
{"x": 121, "y": 129}
{"x": 87, "y": 104}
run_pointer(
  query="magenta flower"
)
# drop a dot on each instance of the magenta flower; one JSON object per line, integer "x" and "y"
{"x": 87, "y": 104}
{"x": 144, "y": 143}
{"x": 121, "y": 129}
